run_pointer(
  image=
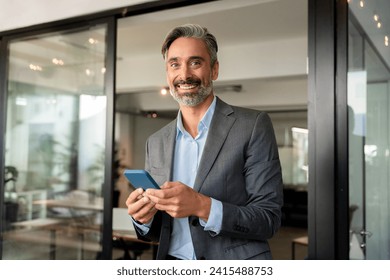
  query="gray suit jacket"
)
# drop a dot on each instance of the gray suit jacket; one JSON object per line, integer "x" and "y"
{"x": 239, "y": 167}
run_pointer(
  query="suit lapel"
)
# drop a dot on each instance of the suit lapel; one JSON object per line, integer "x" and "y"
{"x": 215, "y": 139}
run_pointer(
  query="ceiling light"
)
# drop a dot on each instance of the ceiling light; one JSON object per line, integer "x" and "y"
{"x": 89, "y": 72}
{"x": 35, "y": 67}
{"x": 151, "y": 114}
{"x": 164, "y": 91}
{"x": 57, "y": 61}
{"x": 92, "y": 41}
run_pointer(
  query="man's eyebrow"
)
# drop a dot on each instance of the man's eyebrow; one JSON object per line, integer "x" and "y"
{"x": 197, "y": 57}
{"x": 174, "y": 59}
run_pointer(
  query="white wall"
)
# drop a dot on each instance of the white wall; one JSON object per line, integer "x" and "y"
{"x": 20, "y": 13}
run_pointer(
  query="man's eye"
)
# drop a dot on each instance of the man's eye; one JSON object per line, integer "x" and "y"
{"x": 174, "y": 65}
{"x": 195, "y": 63}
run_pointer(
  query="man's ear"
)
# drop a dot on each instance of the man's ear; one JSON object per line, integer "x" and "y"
{"x": 215, "y": 70}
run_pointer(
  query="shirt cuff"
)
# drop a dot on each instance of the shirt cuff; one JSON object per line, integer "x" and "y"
{"x": 143, "y": 229}
{"x": 214, "y": 223}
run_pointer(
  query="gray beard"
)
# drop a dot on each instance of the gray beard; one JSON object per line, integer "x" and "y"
{"x": 192, "y": 99}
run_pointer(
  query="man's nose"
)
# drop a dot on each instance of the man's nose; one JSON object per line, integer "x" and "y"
{"x": 185, "y": 72}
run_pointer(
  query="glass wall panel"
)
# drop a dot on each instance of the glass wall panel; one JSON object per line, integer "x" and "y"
{"x": 55, "y": 141}
{"x": 369, "y": 129}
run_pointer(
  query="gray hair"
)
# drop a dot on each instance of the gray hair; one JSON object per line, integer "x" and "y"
{"x": 192, "y": 31}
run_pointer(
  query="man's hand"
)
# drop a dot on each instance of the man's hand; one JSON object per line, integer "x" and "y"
{"x": 140, "y": 207}
{"x": 179, "y": 201}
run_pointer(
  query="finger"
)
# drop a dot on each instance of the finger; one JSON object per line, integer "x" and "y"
{"x": 134, "y": 196}
{"x": 167, "y": 185}
{"x": 165, "y": 193}
{"x": 145, "y": 212}
{"x": 136, "y": 206}
{"x": 148, "y": 217}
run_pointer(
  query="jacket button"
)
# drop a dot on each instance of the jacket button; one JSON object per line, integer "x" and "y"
{"x": 195, "y": 222}
{"x": 202, "y": 258}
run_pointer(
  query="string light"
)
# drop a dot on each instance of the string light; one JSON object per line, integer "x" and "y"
{"x": 386, "y": 41}
{"x": 361, "y": 4}
{"x": 379, "y": 24}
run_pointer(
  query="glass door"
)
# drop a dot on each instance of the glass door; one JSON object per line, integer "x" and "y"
{"x": 369, "y": 129}
{"x": 55, "y": 145}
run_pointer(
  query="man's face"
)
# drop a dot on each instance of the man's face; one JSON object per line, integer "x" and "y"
{"x": 189, "y": 73}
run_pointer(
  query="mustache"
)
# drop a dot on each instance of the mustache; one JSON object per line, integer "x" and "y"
{"x": 188, "y": 81}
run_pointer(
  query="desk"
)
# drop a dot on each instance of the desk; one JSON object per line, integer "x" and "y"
{"x": 75, "y": 231}
{"x": 47, "y": 224}
{"x": 123, "y": 231}
{"x": 303, "y": 241}
{"x": 77, "y": 215}
{"x": 132, "y": 247}
{"x": 96, "y": 205}
{"x": 54, "y": 236}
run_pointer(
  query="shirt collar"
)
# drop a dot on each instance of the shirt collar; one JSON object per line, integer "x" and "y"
{"x": 204, "y": 122}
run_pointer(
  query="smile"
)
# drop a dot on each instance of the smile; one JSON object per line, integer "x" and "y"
{"x": 186, "y": 86}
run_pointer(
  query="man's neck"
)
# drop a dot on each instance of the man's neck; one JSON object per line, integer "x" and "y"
{"x": 191, "y": 116}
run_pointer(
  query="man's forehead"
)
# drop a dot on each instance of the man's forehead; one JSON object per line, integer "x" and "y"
{"x": 187, "y": 47}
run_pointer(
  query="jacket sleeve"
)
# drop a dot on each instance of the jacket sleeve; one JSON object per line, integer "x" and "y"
{"x": 258, "y": 217}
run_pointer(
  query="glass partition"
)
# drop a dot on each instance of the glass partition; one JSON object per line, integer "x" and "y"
{"x": 55, "y": 142}
{"x": 369, "y": 129}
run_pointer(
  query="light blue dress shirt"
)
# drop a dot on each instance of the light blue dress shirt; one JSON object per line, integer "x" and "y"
{"x": 188, "y": 153}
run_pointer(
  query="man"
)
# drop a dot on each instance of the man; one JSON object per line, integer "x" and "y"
{"x": 218, "y": 165}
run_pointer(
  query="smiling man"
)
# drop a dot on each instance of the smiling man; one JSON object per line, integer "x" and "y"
{"x": 217, "y": 164}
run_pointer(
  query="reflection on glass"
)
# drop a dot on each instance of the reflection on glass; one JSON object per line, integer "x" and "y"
{"x": 300, "y": 156}
{"x": 369, "y": 130}
{"x": 55, "y": 145}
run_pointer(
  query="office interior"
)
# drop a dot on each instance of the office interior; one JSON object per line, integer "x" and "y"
{"x": 68, "y": 138}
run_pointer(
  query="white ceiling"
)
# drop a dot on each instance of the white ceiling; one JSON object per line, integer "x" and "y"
{"x": 262, "y": 47}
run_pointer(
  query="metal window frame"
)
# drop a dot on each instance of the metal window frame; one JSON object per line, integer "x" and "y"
{"x": 328, "y": 201}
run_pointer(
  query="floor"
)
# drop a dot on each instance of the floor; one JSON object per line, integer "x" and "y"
{"x": 281, "y": 248}
{"x": 281, "y": 244}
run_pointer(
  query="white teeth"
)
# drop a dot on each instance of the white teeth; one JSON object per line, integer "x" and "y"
{"x": 187, "y": 87}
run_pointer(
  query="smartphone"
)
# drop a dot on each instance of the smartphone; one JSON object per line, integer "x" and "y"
{"x": 140, "y": 178}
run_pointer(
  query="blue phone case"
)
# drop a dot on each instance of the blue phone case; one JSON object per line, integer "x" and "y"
{"x": 140, "y": 178}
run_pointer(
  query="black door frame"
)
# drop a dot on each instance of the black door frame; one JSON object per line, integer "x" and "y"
{"x": 328, "y": 201}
